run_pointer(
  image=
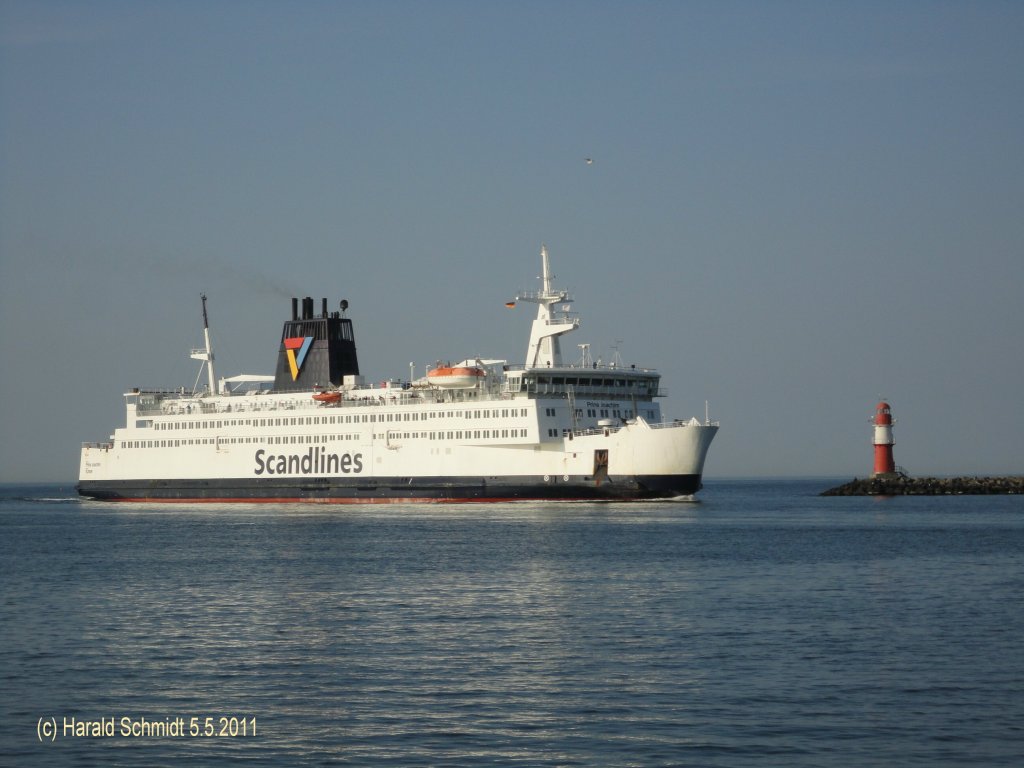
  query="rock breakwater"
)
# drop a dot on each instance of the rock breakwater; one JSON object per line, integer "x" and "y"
{"x": 928, "y": 486}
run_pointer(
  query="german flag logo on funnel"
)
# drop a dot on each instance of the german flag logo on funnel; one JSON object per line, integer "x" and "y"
{"x": 297, "y": 348}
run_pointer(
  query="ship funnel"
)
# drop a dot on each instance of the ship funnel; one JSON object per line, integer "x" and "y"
{"x": 315, "y": 350}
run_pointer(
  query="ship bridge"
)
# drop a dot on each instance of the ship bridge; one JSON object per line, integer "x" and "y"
{"x": 593, "y": 381}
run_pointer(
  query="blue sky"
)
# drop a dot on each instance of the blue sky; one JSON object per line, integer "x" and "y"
{"x": 793, "y": 209}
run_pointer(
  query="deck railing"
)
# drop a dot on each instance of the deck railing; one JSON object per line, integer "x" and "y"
{"x": 491, "y": 388}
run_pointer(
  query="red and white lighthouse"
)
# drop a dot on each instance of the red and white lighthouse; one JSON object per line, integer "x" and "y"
{"x": 884, "y": 464}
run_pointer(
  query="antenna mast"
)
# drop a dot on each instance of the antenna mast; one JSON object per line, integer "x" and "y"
{"x": 544, "y": 349}
{"x": 206, "y": 355}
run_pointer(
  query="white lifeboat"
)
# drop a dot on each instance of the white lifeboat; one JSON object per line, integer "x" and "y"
{"x": 455, "y": 376}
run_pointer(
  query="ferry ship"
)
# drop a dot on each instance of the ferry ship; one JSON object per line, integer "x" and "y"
{"x": 480, "y": 430}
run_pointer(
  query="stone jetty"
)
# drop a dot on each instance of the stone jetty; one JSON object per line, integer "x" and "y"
{"x": 901, "y": 485}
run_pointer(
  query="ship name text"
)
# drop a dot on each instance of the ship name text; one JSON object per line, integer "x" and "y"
{"x": 315, "y": 461}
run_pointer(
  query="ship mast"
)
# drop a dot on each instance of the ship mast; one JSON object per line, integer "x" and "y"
{"x": 206, "y": 355}
{"x": 544, "y": 349}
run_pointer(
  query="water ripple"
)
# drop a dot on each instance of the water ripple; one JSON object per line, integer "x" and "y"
{"x": 764, "y": 626}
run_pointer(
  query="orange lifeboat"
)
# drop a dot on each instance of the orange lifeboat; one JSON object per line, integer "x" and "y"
{"x": 455, "y": 377}
{"x": 328, "y": 398}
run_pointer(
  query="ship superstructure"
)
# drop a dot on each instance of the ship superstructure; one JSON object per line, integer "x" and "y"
{"x": 477, "y": 430}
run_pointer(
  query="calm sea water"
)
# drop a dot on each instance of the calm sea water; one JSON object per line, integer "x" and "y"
{"x": 762, "y": 626}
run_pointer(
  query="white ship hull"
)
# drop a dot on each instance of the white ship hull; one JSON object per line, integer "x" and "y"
{"x": 339, "y": 454}
{"x": 542, "y": 431}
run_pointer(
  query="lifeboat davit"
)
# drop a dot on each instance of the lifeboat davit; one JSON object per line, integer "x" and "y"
{"x": 328, "y": 397}
{"x": 455, "y": 377}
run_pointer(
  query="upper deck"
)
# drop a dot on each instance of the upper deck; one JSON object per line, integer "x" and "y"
{"x": 605, "y": 382}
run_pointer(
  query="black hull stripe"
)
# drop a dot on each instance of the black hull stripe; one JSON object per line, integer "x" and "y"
{"x": 385, "y": 490}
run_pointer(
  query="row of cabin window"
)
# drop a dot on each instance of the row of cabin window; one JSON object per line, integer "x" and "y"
{"x": 346, "y": 419}
{"x": 468, "y": 434}
{"x": 456, "y": 434}
{"x": 603, "y": 413}
{"x": 276, "y": 440}
{"x": 593, "y": 413}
